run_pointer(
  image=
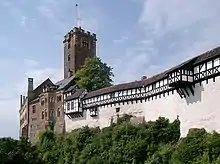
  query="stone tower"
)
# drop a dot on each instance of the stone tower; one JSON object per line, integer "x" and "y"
{"x": 78, "y": 45}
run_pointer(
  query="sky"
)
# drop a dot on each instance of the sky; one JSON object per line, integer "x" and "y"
{"x": 135, "y": 37}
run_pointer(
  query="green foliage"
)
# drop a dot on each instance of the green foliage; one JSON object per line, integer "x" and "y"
{"x": 19, "y": 152}
{"x": 94, "y": 74}
{"x": 155, "y": 142}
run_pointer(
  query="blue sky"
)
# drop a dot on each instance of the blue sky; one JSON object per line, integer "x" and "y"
{"x": 135, "y": 37}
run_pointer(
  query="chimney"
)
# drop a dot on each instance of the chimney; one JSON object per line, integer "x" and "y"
{"x": 21, "y": 101}
{"x": 143, "y": 77}
{"x": 30, "y": 86}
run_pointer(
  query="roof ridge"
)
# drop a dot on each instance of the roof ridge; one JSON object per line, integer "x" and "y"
{"x": 159, "y": 76}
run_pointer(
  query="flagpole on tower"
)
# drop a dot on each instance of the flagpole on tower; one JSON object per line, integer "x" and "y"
{"x": 78, "y": 18}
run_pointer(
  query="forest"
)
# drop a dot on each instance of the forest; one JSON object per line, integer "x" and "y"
{"x": 123, "y": 142}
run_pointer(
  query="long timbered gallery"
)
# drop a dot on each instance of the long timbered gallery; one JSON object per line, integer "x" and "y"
{"x": 190, "y": 91}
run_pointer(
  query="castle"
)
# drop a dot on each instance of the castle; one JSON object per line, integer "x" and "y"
{"x": 45, "y": 103}
{"x": 188, "y": 91}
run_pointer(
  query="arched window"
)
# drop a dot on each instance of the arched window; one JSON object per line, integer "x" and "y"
{"x": 43, "y": 115}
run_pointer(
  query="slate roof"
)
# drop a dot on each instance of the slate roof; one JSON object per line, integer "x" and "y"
{"x": 37, "y": 91}
{"x": 71, "y": 88}
{"x": 64, "y": 83}
{"x": 130, "y": 85}
{"x": 77, "y": 94}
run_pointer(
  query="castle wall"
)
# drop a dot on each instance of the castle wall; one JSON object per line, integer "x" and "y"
{"x": 200, "y": 110}
{"x": 24, "y": 119}
{"x": 35, "y": 120}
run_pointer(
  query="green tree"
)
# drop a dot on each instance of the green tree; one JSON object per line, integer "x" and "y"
{"x": 18, "y": 151}
{"x": 94, "y": 74}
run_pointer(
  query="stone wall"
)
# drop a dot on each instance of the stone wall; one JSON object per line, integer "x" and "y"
{"x": 198, "y": 111}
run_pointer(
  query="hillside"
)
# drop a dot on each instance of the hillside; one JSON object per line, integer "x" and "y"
{"x": 155, "y": 142}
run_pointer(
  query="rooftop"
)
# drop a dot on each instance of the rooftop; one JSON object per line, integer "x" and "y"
{"x": 77, "y": 94}
{"x": 134, "y": 84}
{"x": 63, "y": 83}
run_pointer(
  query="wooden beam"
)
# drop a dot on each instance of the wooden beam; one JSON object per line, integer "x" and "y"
{"x": 186, "y": 91}
{"x": 191, "y": 89}
{"x": 179, "y": 93}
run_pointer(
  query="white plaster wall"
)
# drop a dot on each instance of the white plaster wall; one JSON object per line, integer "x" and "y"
{"x": 199, "y": 111}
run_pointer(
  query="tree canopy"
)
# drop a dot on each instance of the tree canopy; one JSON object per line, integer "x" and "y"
{"x": 154, "y": 142}
{"x": 18, "y": 151}
{"x": 94, "y": 74}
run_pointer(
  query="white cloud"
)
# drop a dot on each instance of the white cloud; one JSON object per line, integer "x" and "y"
{"x": 46, "y": 11}
{"x": 10, "y": 96}
{"x": 30, "y": 63}
{"x": 192, "y": 24}
{"x": 9, "y": 118}
{"x": 6, "y": 3}
{"x": 121, "y": 40}
{"x": 23, "y": 21}
{"x": 173, "y": 30}
{"x": 39, "y": 75}
{"x": 42, "y": 74}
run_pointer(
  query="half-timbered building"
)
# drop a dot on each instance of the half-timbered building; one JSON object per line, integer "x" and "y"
{"x": 189, "y": 91}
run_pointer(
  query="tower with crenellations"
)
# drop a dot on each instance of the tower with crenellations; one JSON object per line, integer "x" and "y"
{"x": 45, "y": 103}
{"x": 78, "y": 45}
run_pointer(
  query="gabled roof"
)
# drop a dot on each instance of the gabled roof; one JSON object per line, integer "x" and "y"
{"x": 75, "y": 95}
{"x": 135, "y": 84}
{"x": 62, "y": 84}
{"x": 37, "y": 91}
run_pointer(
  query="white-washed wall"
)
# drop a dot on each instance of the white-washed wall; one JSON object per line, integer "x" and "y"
{"x": 199, "y": 111}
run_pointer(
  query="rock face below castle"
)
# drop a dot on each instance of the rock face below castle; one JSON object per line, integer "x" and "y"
{"x": 189, "y": 91}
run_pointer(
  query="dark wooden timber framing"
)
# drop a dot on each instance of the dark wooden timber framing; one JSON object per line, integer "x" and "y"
{"x": 138, "y": 89}
{"x": 74, "y": 115}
